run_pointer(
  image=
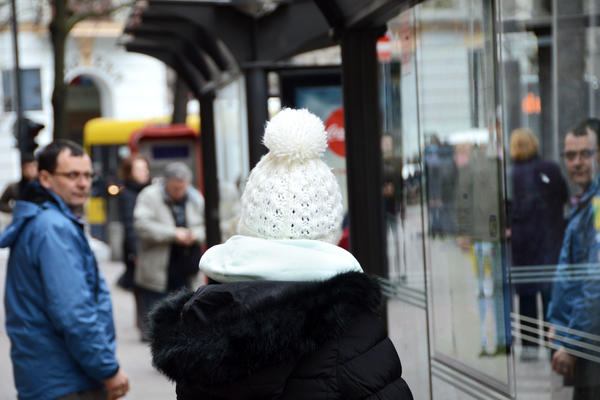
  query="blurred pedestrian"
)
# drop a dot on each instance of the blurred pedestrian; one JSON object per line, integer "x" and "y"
{"x": 298, "y": 318}
{"x": 58, "y": 310}
{"x": 12, "y": 192}
{"x": 476, "y": 222}
{"x": 169, "y": 221}
{"x": 135, "y": 174}
{"x": 392, "y": 201}
{"x": 536, "y": 220}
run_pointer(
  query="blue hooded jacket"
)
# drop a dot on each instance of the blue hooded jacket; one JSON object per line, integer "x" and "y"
{"x": 575, "y": 306}
{"x": 58, "y": 310}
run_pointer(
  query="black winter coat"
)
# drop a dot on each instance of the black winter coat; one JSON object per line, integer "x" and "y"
{"x": 127, "y": 198}
{"x": 278, "y": 340}
{"x": 536, "y": 216}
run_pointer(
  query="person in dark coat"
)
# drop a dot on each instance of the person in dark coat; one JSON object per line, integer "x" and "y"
{"x": 539, "y": 194}
{"x": 15, "y": 190}
{"x": 294, "y": 316}
{"x": 135, "y": 173}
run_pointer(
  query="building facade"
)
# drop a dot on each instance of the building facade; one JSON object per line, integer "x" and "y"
{"x": 104, "y": 80}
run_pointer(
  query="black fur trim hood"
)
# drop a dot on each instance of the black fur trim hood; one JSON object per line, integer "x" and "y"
{"x": 226, "y": 332}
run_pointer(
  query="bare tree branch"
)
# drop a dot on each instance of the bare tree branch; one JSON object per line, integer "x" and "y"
{"x": 6, "y": 22}
{"x": 78, "y": 17}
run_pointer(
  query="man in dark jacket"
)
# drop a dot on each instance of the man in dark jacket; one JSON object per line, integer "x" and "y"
{"x": 58, "y": 309}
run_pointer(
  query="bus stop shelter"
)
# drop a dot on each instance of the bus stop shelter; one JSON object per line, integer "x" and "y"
{"x": 210, "y": 43}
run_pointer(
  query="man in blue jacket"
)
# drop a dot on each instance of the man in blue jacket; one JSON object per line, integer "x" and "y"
{"x": 58, "y": 310}
{"x": 574, "y": 307}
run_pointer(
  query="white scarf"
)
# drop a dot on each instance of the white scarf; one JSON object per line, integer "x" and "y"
{"x": 244, "y": 258}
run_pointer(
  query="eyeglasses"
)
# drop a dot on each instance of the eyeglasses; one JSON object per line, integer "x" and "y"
{"x": 76, "y": 175}
{"x": 584, "y": 154}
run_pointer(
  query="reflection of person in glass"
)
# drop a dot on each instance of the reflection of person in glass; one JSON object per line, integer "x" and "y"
{"x": 539, "y": 193}
{"x": 392, "y": 201}
{"x": 488, "y": 263}
{"x": 573, "y": 308}
{"x": 440, "y": 172}
{"x": 476, "y": 216}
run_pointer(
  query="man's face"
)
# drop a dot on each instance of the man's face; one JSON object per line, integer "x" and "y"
{"x": 581, "y": 158}
{"x": 71, "y": 179}
{"x": 176, "y": 188}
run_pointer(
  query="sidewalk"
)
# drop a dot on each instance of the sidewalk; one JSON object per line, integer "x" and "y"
{"x": 134, "y": 356}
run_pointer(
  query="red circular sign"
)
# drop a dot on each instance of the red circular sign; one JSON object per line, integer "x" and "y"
{"x": 336, "y": 135}
{"x": 384, "y": 49}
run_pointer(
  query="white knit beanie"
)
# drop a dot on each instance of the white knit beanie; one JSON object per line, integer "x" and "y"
{"x": 291, "y": 193}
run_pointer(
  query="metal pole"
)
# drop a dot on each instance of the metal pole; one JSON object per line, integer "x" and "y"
{"x": 363, "y": 152}
{"x": 555, "y": 100}
{"x": 17, "y": 76}
{"x": 209, "y": 169}
{"x": 257, "y": 95}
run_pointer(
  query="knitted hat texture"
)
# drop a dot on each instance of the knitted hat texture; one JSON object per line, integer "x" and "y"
{"x": 291, "y": 193}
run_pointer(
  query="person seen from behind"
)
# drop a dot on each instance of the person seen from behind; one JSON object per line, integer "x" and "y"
{"x": 294, "y": 316}
{"x": 539, "y": 195}
{"x": 58, "y": 308}
{"x": 135, "y": 174}
{"x": 14, "y": 191}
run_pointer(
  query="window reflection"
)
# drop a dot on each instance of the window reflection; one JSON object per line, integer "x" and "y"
{"x": 462, "y": 180}
{"x": 550, "y": 92}
{"x": 574, "y": 306}
{"x": 536, "y": 226}
{"x": 442, "y": 181}
{"x": 508, "y": 233}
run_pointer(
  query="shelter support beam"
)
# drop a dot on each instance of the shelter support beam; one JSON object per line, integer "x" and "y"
{"x": 256, "y": 99}
{"x": 209, "y": 168}
{"x": 363, "y": 154}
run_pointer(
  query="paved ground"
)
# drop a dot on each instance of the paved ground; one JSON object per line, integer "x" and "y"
{"x": 134, "y": 356}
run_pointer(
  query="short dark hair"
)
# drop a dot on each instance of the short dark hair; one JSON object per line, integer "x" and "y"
{"x": 27, "y": 158}
{"x": 581, "y": 128}
{"x": 47, "y": 156}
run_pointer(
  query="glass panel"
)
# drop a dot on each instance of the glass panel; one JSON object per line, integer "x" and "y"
{"x": 401, "y": 157}
{"x": 232, "y": 153}
{"x": 401, "y": 191}
{"x": 462, "y": 182}
{"x": 526, "y": 9}
{"x": 550, "y": 95}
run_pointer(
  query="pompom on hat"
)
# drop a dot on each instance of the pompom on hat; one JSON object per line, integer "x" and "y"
{"x": 291, "y": 193}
